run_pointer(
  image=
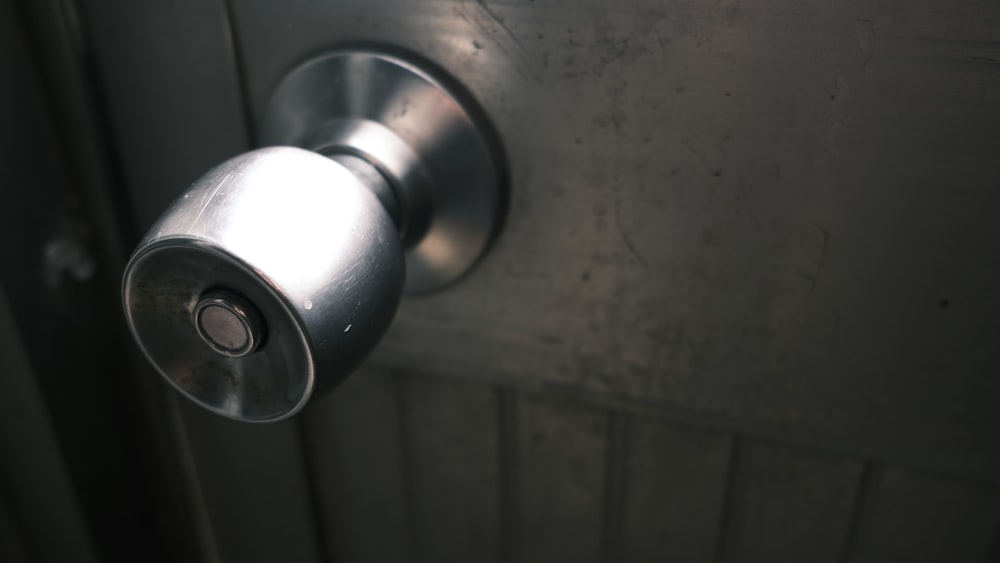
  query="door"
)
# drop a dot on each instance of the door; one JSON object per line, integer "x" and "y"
{"x": 743, "y": 306}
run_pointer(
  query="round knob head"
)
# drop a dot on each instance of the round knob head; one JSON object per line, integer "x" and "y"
{"x": 268, "y": 281}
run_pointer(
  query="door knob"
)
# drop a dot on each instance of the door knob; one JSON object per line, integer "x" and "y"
{"x": 275, "y": 274}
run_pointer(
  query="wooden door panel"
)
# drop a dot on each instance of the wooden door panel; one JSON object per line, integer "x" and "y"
{"x": 743, "y": 307}
{"x": 770, "y": 215}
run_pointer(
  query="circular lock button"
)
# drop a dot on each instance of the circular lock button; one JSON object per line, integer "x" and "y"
{"x": 228, "y": 323}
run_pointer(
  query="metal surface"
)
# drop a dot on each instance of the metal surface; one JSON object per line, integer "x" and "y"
{"x": 285, "y": 245}
{"x": 305, "y": 243}
{"x": 421, "y": 130}
{"x": 229, "y": 323}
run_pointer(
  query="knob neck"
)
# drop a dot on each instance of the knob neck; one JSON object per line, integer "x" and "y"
{"x": 375, "y": 146}
{"x": 370, "y": 176}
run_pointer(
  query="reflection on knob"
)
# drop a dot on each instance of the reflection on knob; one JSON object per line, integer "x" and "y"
{"x": 276, "y": 273}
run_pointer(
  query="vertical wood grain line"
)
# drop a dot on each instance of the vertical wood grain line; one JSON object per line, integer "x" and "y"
{"x": 732, "y": 500}
{"x": 406, "y": 474}
{"x": 507, "y": 459}
{"x": 993, "y": 555}
{"x": 615, "y": 467}
{"x": 311, "y": 480}
{"x": 864, "y": 501}
{"x": 235, "y": 42}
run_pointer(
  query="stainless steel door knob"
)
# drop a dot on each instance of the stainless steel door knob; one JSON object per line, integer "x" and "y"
{"x": 276, "y": 273}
